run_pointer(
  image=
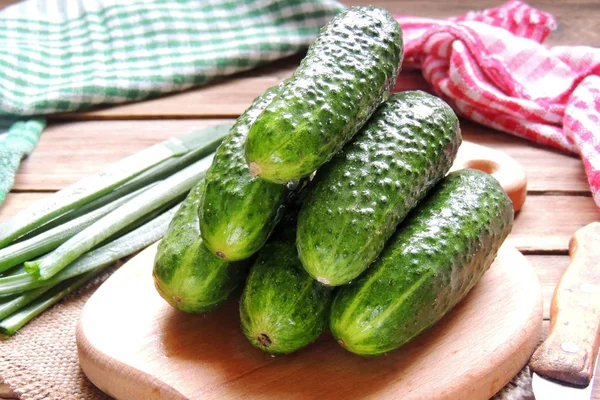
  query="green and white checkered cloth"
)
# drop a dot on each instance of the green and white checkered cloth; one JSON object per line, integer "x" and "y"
{"x": 67, "y": 55}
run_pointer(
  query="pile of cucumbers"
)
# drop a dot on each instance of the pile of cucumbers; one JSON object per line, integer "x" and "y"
{"x": 330, "y": 202}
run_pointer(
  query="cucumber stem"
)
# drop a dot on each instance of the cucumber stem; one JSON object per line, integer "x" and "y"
{"x": 221, "y": 255}
{"x": 255, "y": 169}
{"x": 323, "y": 280}
{"x": 263, "y": 339}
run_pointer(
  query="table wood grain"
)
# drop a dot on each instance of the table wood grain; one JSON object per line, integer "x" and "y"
{"x": 559, "y": 201}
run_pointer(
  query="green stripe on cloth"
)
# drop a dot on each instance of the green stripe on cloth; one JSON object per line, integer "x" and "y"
{"x": 17, "y": 140}
{"x": 64, "y": 55}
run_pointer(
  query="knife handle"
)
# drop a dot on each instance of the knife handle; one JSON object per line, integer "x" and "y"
{"x": 569, "y": 353}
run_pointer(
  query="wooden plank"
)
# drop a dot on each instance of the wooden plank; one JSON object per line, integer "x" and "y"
{"x": 6, "y": 3}
{"x": 16, "y": 202}
{"x": 546, "y": 223}
{"x": 547, "y": 169}
{"x": 6, "y": 393}
{"x": 80, "y": 148}
{"x": 549, "y": 269}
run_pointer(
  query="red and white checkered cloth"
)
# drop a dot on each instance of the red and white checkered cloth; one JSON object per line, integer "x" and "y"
{"x": 492, "y": 68}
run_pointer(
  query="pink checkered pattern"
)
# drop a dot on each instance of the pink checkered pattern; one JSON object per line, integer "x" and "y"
{"x": 492, "y": 68}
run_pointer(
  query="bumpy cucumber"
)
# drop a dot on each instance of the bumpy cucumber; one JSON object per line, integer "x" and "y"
{"x": 186, "y": 274}
{"x": 348, "y": 71}
{"x": 239, "y": 212}
{"x": 282, "y": 308}
{"x": 366, "y": 190}
{"x": 434, "y": 259}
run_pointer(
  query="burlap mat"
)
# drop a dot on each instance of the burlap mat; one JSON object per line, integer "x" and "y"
{"x": 40, "y": 361}
{"x": 519, "y": 388}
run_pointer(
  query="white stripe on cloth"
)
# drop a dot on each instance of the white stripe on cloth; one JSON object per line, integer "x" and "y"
{"x": 498, "y": 73}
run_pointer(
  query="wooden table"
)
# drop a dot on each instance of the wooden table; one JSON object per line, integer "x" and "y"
{"x": 559, "y": 200}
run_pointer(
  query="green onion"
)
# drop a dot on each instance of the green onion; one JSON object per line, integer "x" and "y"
{"x": 85, "y": 267}
{"x": 125, "y": 245}
{"x": 203, "y": 142}
{"x": 96, "y": 186}
{"x": 10, "y": 305}
{"x": 13, "y": 271}
{"x": 19, "y": 280}
{"x": 51, "y": 239}
{"x": 167, "y": 190}
{"x": 15, "y": 321}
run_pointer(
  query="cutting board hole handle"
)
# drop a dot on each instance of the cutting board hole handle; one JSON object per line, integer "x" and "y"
{"x": 488, "y": 166}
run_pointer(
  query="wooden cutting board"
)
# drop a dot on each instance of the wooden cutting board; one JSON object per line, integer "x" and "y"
{"x": 133, "y": 345}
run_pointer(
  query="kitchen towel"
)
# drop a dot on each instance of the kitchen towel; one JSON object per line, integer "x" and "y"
{"x": 492, "y": 68}
{"x": 64, "y": 55}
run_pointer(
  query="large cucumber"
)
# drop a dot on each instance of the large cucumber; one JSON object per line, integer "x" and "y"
{"x": 429, "y": 265}
{"x": 349, "y": 70}
{"x": 239, "y": 212}
{"x": 282, "y": 308}
{"x": 367, "y": 189}
{"x": 186, "y": 274}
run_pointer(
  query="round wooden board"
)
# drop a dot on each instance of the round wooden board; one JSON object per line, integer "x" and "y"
{"x": 133, "y": 345}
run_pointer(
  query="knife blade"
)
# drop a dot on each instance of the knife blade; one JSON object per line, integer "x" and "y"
{"x": 570, "y": 352}
{"x": 548, "y": 389}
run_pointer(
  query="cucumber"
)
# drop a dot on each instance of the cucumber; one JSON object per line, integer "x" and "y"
{"x": 239, "y": 212}
{"x": 360, "y": 196}
{"x": 349, "y": 69}
{"x": 282, "y": 308}
{"x": 186, "y": 274}
{"x": 430, "y": 264}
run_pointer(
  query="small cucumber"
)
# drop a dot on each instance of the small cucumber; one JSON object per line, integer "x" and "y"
{"x": 186, "y": 274}
{"x": 239, "y": 212}
{"x": 365, "y": 191}
{"x": 348, "y": 71}
{"x": 430, "y": 264}
{"x": 282, "y": 308}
